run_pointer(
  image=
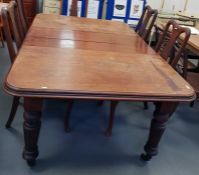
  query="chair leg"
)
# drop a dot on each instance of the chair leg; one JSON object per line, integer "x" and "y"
{"x": 192, "y": 104}
{"x": 146, "y": 105}
{"x": 15, "y": 104}
{"x": 67, "y": 116}
{"x": 108, "y": 131}
{"x": 2, "y": 40}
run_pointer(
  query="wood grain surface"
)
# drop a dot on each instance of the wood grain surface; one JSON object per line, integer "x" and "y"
{"x": 69, "y": 57}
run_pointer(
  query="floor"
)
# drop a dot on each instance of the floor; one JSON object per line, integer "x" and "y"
{"x": 87, "y": 151}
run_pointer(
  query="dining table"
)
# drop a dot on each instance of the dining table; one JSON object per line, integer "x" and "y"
{"x": 66, "y": 57}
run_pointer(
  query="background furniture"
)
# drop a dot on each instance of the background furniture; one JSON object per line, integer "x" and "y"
{"x": 74, "y": 8}
{"x": 146, "y": 22}
{"x": 171, "y": 46}
{"x": 29, "y": 8}
{"x": 85, "y": 8}
{"x": 23, "y": 20}
{"x": 193, "y": 79}
{"x": 52, "y": 6}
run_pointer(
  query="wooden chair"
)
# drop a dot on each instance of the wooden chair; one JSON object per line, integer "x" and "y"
{"x": 12, "y": 27}
{"x": 74, "y": 11}
{"x": 22, "y": 16}
{"x": 191, "y": 76}
{"x": 165, "y": 47}
{"x": 146, "y": 22}
{"x": 170, "y": 46}
{"x": 193, "y": 79}
{"x": 1, "y": 30}
{"x": 74, "y": 8}
{"x": 1, "y": 33}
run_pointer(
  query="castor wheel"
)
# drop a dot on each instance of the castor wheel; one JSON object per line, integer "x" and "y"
{"x": 145, "y": 157}
{"x": 30, "y": 162}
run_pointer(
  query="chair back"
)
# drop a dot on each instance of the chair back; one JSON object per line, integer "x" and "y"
{"x": 146, "y": 22}
{"x": 171, "y": 45}
{"x": 74, "y": 8}
{"x": 12, "y": 27}
{"x": 22, "y": 16}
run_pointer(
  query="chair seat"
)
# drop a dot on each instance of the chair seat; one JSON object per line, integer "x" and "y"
{"x": 193, "y": 79}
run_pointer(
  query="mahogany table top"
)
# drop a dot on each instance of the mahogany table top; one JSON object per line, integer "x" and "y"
{"x": 71, "y": 57}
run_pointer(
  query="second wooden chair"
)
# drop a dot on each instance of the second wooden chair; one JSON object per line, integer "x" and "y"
{"x": 23, "y": 19}
{"x": 12, "y": 25}
{"x": 146, "y": 22}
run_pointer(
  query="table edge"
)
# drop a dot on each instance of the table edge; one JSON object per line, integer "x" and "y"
{"x": 95, "y": 95}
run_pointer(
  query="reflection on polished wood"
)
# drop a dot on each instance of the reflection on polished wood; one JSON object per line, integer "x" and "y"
{"x": 81, "y": 24}
{"x": 68, "y": 57}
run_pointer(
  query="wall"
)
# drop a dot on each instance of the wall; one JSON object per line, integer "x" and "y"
{"x": 175, "y": 6}
{"x": 156, "y": 4}
{"x": 192, "y": 7}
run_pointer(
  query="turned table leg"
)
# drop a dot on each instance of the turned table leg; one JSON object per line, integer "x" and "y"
{"x": 32, "y": 123}
{"x": 162, "y": 114}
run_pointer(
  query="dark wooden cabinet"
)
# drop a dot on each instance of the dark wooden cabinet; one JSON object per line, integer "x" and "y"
{"x": 29, "y": 8}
